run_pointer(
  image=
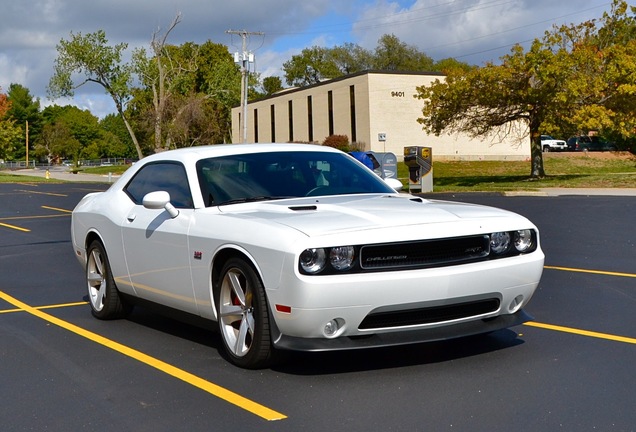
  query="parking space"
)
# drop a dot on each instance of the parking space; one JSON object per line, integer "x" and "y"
{"x": 569, "y": 369}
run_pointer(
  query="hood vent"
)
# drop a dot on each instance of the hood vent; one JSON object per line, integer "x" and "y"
{"x": 304, "y": 208}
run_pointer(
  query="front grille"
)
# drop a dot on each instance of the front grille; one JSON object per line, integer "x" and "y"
{"x": 430, "y": 315}
{"x": 425, "y": 253}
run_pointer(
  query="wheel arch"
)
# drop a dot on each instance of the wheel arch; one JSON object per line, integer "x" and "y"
{"x": 225, "y": 254}
{"x": 218, "y": 262}
{"x": 91, "y": 236}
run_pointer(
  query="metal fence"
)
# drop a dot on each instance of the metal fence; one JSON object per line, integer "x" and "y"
{"x": 15, "y": 165}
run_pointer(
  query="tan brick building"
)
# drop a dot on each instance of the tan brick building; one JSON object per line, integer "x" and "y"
{"x": 378, "y": 110}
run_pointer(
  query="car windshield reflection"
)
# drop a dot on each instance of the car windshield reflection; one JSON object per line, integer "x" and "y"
{"x": 268, "y": 176}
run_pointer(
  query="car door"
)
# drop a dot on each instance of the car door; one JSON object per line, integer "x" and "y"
{"x": 156, "y": 244}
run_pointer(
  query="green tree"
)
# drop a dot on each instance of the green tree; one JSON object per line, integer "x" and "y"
{"x": 603, "y": 81}
{"x": 316, "y": 64}
{"x": 90, "y": 56}
{"x": 120, "y": 144}
{"x": 394, "y": 55}
{"x": 68, "y": 132}
{"x": 56, "y": 143}
{"x": 25, "y": 110}
{"x": 205, "y": 79}
{"x": 311, "y": 66}
{"x": 351, "y": 58}
{"x": 272, "y": 85}
{"x": 160, "y": 73}
{"x": 10, "y": 134}
{"x": 564, "y": 79}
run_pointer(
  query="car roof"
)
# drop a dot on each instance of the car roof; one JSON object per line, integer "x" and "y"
{"x": 216, "y": 150}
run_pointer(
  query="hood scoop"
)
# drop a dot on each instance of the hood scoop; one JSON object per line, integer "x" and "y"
{"x": 304, "y": 208}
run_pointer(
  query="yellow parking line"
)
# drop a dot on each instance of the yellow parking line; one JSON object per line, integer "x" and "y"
{"x": 207, "y": 386}
{"x": 34, "y": 217}
{"x": 42, "y": 193}
{"x": 582, "y": 332}
{"x": 15, "y": 227}
{"x": 57, "y": 209}
{"x": 600, "y": 272}
{"x": 54, "y": 306}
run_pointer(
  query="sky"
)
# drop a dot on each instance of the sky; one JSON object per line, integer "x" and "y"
{"x": 472, "y": 31}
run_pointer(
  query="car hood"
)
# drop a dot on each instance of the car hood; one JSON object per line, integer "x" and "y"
{"x": 329, "y": 215}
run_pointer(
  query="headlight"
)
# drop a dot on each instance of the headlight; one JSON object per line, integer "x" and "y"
{"x": 313, "y": 260}
{"x": 341, "y": 258}
{"x": 499, "y": 242}
{"x": 524, "y": 240}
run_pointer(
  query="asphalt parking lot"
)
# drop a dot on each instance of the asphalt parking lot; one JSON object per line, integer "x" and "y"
{"x": 570, "y": 369}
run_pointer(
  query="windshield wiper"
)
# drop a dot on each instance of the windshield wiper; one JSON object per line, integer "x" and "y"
{"x": 252, "y": 199}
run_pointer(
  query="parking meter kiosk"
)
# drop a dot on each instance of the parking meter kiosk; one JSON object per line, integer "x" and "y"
{"x": 419, "y": 160}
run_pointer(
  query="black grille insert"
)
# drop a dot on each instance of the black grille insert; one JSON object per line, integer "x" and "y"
{"x": 425, "y": 253}
{"x": 435, "y": 314}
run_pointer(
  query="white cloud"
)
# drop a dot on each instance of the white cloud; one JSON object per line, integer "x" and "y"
{"x": 469, "y": 29}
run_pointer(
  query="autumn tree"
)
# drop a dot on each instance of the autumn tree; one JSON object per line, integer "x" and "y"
{"x": 25, "y": 112}
{"x": 567, "y": 77}
{"x": 602, "y": 85}
{"x": 90, "y": 57}
{"x": 10, "y": 134}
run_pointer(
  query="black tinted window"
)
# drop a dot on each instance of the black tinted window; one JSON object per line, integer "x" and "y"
{"x": 169, "y": 177}
{"x": 284, "y": 175}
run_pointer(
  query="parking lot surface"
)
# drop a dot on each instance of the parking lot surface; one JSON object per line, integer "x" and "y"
{"x": 570, "y": 369}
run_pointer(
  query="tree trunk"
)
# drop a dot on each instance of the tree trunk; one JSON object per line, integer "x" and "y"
{"x": 130, "y": 131}
{"x": 536, "y": 154}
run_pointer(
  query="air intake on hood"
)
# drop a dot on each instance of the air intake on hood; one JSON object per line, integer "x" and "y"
{"x": 303, "y": 208}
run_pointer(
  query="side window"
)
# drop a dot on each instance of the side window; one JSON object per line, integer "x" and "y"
{"x": 169, "y": 177}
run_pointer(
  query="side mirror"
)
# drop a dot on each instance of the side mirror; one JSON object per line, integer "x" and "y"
{"x": 160, "y": 200}
{"x": 394, "y": 183}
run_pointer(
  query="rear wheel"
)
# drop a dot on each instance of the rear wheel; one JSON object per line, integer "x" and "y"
{"x": 243, "y": 316}
{"x": 104, "y": 298}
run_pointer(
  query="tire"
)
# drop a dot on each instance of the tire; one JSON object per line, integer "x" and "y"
{"x": 103, "y": 295}
{"x": 243, "y": 316}
{"x": 546, "y": 149}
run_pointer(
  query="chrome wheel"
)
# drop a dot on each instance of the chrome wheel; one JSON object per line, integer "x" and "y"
{"x": 95, "y": 279}
{"x": 103, "y": 295}
{"x": 243, "y": 317}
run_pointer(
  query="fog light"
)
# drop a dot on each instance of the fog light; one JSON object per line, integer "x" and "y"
{"x": 515, "y": 304}
{"x": 333, "y": 328}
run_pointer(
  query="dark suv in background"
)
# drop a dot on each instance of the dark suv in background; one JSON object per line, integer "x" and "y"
{"x": 589, "y": 143}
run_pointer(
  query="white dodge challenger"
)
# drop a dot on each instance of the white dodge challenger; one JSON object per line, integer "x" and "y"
{"x": 300, "y": 247}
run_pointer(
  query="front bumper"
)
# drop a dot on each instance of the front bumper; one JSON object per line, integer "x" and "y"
{"x": 404, "y": 337}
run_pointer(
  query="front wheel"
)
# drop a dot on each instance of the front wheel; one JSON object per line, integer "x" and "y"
{"x": 105, "y": 300}
{"x": 243, "y": 316}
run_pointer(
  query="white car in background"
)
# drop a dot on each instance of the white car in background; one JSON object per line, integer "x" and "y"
{"x": 300, "y": 247}
{"x": 549, "y": 144}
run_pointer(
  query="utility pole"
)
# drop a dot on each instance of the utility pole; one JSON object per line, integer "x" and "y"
{"x": 244, "y": 58}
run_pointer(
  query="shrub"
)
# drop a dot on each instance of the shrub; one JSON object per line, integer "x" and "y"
{"x": 341, "y": 142}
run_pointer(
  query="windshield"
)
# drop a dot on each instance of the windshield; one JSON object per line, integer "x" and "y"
{"x": 275, "y": 175}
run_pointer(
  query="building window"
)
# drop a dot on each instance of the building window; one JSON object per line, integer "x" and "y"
{"x": 255, "y": 125}
{"x": 290, "y": 110}
{"x": 352, "y": 105}
{"x": 330, "y": 109}
{"x": 272, "y": 114}
{"x": 310, "y": 120}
